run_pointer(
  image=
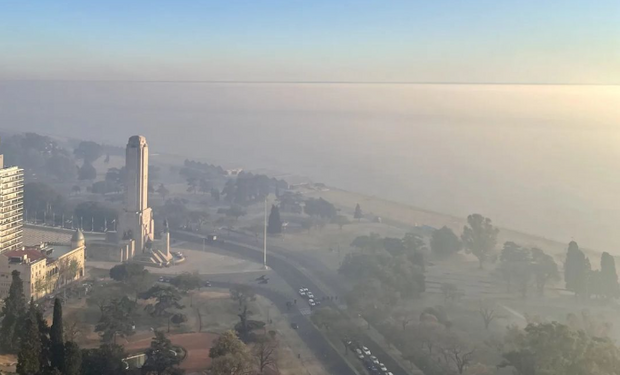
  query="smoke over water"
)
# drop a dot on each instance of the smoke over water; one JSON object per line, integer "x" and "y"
{"x": 541, "y": 159}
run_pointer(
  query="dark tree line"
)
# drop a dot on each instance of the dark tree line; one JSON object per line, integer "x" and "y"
{"x": 39, "y": 155}
{"x": 585, "y": 282}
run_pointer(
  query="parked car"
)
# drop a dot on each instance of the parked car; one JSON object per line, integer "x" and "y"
{"x": 311, "y": 302}
{"x": 382, "y": 367}
{"x": 294, "y": 326}
{"x": 359, "y": 354}
{"x": 302, "y": 292}
{"x": 207, "y": 283}
{"x": 310, "y": 295}
{"x": 374, "y": 359}
{"x": 366, "y": 350}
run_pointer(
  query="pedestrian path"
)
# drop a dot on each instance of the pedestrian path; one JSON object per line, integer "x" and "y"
{"x": 305, "y": 311}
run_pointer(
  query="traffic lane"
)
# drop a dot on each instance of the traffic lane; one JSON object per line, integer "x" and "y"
{"x": 315, "y": 341}
{"x": 295, "y": 277}
{"x": 336, "y": 283}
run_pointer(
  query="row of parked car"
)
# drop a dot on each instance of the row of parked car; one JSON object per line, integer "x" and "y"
{"x": 370, "y": 361}
{"x": 304, "y": 292}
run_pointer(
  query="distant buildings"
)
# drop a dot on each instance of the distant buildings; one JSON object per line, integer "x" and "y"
{"x": 11, "y": 207}
{"x": 42, "y": 268}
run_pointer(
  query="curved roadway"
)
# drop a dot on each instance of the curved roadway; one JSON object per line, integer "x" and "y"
{"x": 296, "y": 279}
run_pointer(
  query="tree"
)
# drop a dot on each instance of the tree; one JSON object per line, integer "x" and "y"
{"x": 105, "y": 360}
{"x": 104, "y": 187}
{"x": 61, "y": 167}
{"x": 166, "y": 296}
{"x": 576, "y": 269}
{"x": 44, "y": 330}
{"x": 215, "y": 194}
{"x": 13, "y": 311}
{"x": 450, "y": 292}
{"x": 554, "y": 349}
{"x": 235, "y": 211}
{"x": 265, "y": 353}
{"x": 275, "y": 223}
{"x": 192, "y": 184}
{"x": 242, "y": 294}
{"x": 457, "y": 354}
{"x": 57, "y": 337}
{"x": 341, "y": 221}
{"x": 414, "y": 249}
{"x": 88, "y": 151}
{"x": 479, "y": 237}
{"x": 488, "y": 312}
{"x": 445, "y": 243}
{"x": 229, "y": 356}
{"x": 320, "y": 207}
{"x": 187, "y": 282}
{"x": 371, "y": 243}
{"x": 28, "y": 358}
{"x": 162, "y": 359}
{"x": 116, "y": 319}
{"x": 358, "y": 214}
{"x": 126, "y": 272}
{"x": 226, "y": 343}
{"x": 87, "y": 172}
{"x": 229, "y": 364}
{"x": 609, "y": 277}
{"x": 204, "y": 186}
{"x": 177, "y": 319}
{"x": 516, "y": 266}
{"x": 163, "y": 191}
{"x": 545, "y": 269}
{"x": 72, "y": 359}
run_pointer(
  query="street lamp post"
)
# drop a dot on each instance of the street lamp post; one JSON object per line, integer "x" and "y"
{"x": 265, "y": 238}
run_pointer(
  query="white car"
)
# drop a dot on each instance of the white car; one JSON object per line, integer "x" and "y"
{"x": 365, "y": 350}
{"x": 302, "y": 292}
{"x": 359, "y": 354}
{"x": 389, "y": 373}
{"x": 382, "y": 367}
{"x": 310, "y": 295}
{"x": 311, "y": 302}
{"x": 374, "y": 359}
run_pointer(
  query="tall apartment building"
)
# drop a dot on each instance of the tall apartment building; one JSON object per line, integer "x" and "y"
{"x": 11, "y": 207}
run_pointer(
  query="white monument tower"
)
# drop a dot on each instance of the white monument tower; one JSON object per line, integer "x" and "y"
{"x": 137, "y": 219}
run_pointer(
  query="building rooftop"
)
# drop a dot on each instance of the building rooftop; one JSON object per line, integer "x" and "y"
{"x": 32, "y": 254}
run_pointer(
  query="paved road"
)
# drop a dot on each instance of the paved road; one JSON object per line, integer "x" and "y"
{"x": 332, "y": 361}
{"x": 297, "y": 279}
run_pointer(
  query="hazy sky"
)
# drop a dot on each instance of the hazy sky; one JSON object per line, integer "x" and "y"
{"x": 554, "y": 41}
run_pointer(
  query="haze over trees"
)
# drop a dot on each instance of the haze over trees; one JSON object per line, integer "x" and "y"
{"x": 275, "y": 222}
{"x": 39, "y": 155}
{"x": 320, "y": 208}
{"x": 479, "y": 237}
{"x": 445, "y": 243}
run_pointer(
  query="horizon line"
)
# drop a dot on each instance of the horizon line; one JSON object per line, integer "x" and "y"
{"x": 313, "y": 82}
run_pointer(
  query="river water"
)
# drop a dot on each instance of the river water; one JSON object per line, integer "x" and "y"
{"x": 541, "y": 159}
